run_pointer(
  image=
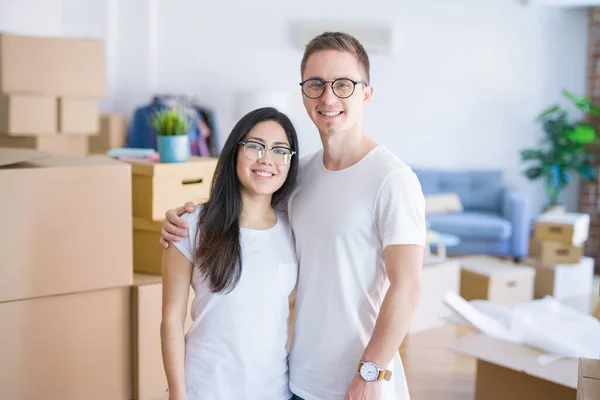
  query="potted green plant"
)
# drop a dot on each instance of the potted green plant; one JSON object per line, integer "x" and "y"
{"x": 563, "y": 151}
{"x": 172, "y": 127}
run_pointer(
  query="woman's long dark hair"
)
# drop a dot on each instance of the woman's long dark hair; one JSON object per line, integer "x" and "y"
{"x": 219, "y": 254}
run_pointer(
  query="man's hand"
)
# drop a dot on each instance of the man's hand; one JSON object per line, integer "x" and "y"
{"x": 174, "y": 227}
{"x": 362, "y": 390}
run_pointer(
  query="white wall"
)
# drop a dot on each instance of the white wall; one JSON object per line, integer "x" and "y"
{"x": 468, "y": 78}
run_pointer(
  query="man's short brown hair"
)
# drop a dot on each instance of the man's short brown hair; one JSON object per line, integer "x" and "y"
{"x": 341, "y": 42}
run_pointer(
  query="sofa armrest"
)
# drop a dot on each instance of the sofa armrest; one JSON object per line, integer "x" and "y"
{"x": 514, "y": 208}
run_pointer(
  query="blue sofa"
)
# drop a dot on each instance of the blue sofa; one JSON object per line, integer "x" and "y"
{"x": 495, "y": 219}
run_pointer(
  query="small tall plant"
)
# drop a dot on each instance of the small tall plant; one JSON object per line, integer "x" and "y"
{"x": 563, "y": 152}
{"x": 172, "y": 127}
{"x": 170, "y": 122}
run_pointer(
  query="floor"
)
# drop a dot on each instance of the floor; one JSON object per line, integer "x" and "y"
{"x": 434, "y": 371}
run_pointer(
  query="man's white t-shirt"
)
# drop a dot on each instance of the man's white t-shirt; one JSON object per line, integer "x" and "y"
{"x": 342, "y": 221}
{"x": 236, "y": 346}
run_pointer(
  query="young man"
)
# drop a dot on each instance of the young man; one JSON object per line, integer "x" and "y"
{"x": 358, "y": 216}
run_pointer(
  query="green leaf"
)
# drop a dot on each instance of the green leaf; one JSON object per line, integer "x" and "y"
{"x": 530, "y": 154}
{"x": 533, "y": 172}
{"x": 582, "y": 133}
{"x": 588, "y": 171}
{"x": 548, "y": 111}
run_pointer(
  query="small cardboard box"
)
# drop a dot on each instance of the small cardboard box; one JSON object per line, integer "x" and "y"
{"x": 27, "y": 115}
{"x": 557, "y": 253}
{"x": 147, "y": 251}
{"x": 78, "y": 116}
{"x": 495, "y": 280}
{"x": 66, "y": 224}
{"x": 52, "y": 66}
{"x": 511, "y": 371}
{"x": 70, "y": 347}
{"x": 76, "y": 146}
{"x": 563, "y": 281}
{"x": 588, "y": 380}
{"x": 438, "y": 279}
{"x": 566, "y": 228}
{"x": 149, "y": 380}
{"x": 158, "y": 187}
{"x": 113, "y": 134}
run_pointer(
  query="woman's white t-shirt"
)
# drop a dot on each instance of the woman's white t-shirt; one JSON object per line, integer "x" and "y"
{"x": 236, "y": 346}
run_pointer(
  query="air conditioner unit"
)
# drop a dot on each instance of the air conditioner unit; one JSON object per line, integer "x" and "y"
{"x": 376, "y": 37}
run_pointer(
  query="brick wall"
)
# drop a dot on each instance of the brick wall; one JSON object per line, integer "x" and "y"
{"x": 589, "y": 199}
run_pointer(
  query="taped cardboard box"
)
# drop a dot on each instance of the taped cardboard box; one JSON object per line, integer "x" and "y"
{"x": 158, "y": 187}
{"x": 76, "y": 146}
{"x": 70, "y": 347}
{"x": 113, "y": 134}
{"x": 78, "y": 116}
{"x": 438, "y": 278}
{"x": 52, "y": 66}
{"x": 27, "y": 115}
{"x": 511, "y": 371}
{"x": 66, "y": 224}
{"x": 147, "y": 251}
{"x": 487, "y": 278}
{"x": 149, "y": 379}
{"x": 566, "y": 228}
{"x": 556, "y": 252}
{"x": 588, "y": 379}
{"x": 563, "y": 281}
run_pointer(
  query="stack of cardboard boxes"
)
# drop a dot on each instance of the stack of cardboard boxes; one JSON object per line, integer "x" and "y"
{"x": 157, "y": 187}
{"x": 113, "y": 134}
{"x": 49, "y": 92}
{"x": 65, "y": 277}
{"x": 557, "y": 252}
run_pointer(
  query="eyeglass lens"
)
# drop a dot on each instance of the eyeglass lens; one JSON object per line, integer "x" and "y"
{"x": 279, "y": 155}
{"x": 314, "y": 88}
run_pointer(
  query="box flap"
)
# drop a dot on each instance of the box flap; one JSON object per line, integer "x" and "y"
{"x": 491, "y": 269}
{"x": 517, "y": 357}
{"x": 590, "y": 368}
{"x": 146, "y": 279}
{"x": 189, "y": 168}
{"x": 11, "y": 156}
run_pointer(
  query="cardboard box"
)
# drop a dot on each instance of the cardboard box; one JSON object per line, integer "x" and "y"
{"x": 52, "y": 66}
{"x": 147, "y": 251}
{"x": 158, "y": 187}
{"x": 113, "y": 134}
{"x": 495, "y": 280}
{"x": 511, "y": 371}
{"x": 76, "y": 146}
{"x": 563, "y": 281}
{"x": 588, "y": 379}
{"x": 438, "y": 279}
{"x": 149, "y": 378}
{"x": 557, "y": 253}
{"x": 78, "y": 116}
{"x": 27, "y": 115}
{"x": 66, "y": 224}
{"x": 69, "y": 347}
{"x": 566, "y": 228}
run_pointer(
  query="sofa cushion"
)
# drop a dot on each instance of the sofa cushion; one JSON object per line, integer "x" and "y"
{"x": 442, "y": 203}
{"x": 472, "y": 224}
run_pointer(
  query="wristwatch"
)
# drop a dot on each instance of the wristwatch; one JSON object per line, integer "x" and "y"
{"x": 370, "y": 372}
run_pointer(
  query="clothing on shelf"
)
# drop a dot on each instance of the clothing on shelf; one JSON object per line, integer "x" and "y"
{"x": 202, "y": 135}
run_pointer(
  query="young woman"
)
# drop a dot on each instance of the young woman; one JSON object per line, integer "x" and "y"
{"x": 239, "y": 257}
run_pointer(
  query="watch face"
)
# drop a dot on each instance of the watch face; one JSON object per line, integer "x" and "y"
{"x": 369, "y": 371}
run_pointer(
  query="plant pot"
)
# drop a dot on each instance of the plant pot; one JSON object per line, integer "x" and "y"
{"x": 173, "y": 149}
{"x": 557, "y": 208}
